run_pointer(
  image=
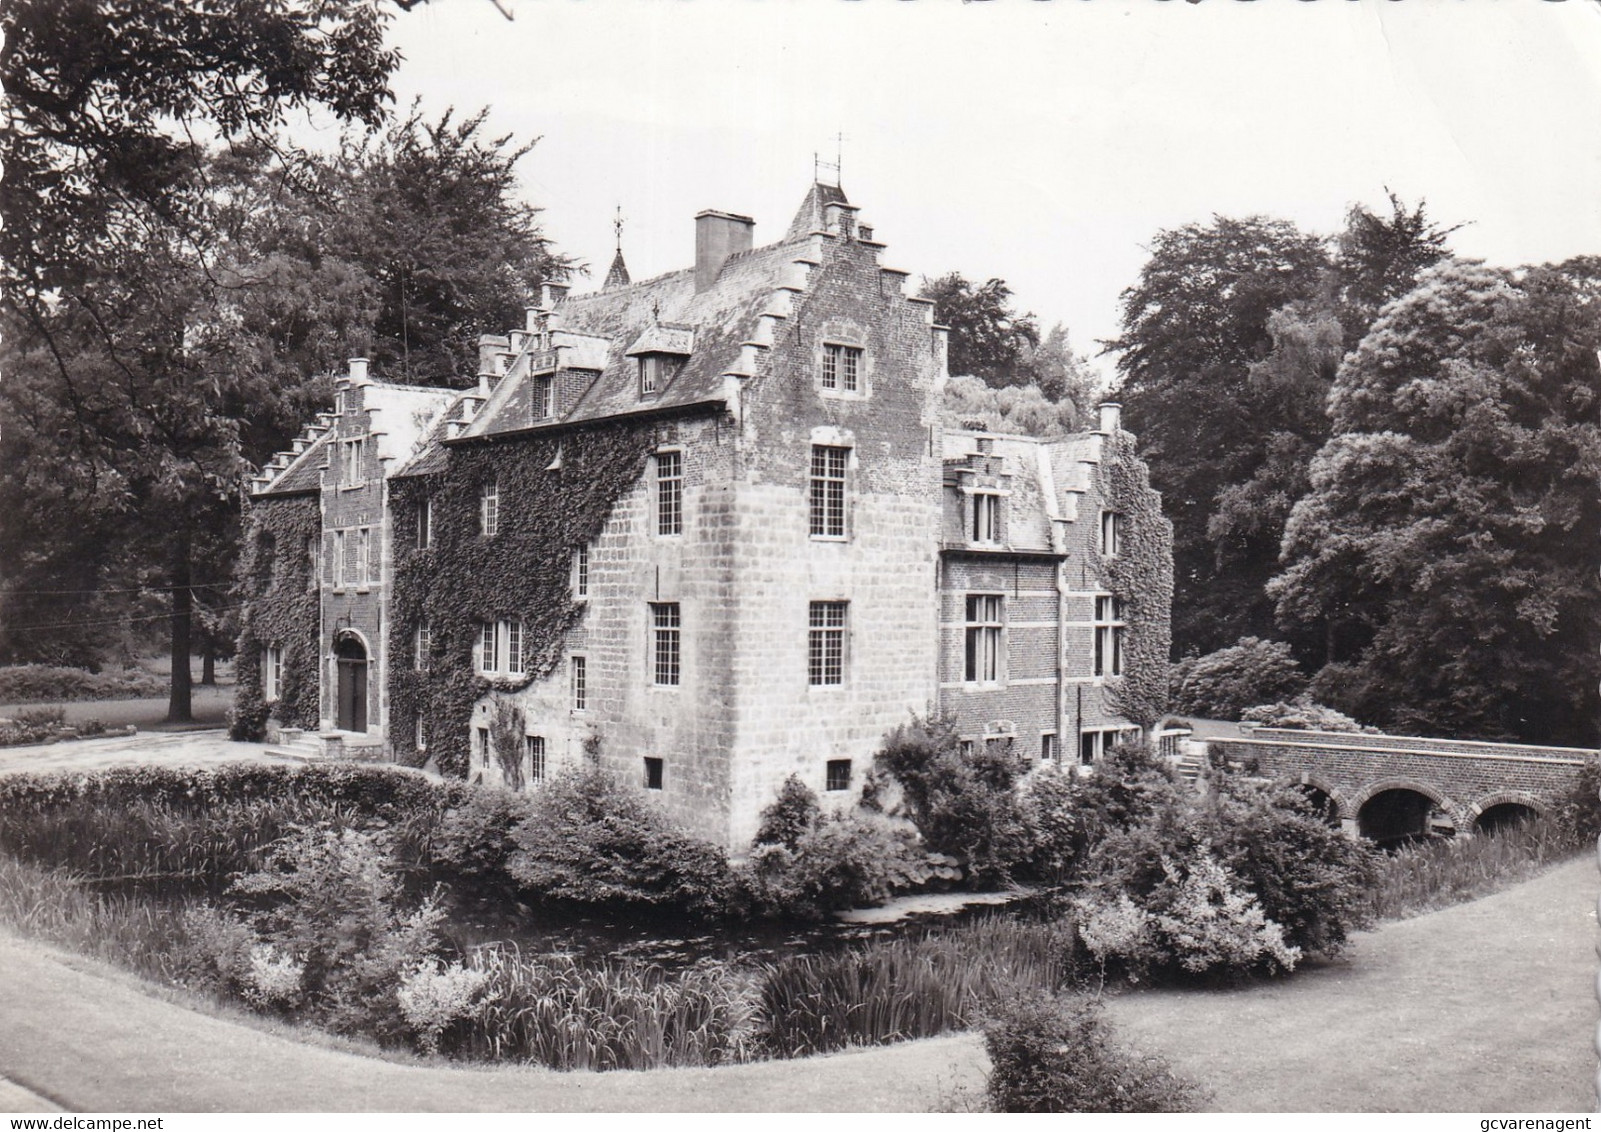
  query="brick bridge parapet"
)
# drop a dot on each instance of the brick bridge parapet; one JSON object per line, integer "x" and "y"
{"x": 1463, "y": 778}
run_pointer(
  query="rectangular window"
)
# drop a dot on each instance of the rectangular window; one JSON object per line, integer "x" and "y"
{"x": 966, "y": 747}
{"x": 339, "y": 560}
{"x": 985, "y": 623}
{"x": 482, "y": 734}
{"x": 842, "y": 366}
{"x": 1047, "y": 746}
{"x": 580, "y": 684}
{"x": 534, "y": 753}
{"x": 272, "y": 661}
{"x": 827, "y": 502}
{"x": 313, "y": 562}
{"x": 1111, "y": 533}
{"x": 513, "y": 632}
{"x": 1089, "y": 747}
{"x": 986, "y": 517}
{"x": 424, "y": 645}
{"x": 1109, "y": 628}
{"x": 825, "y": 643}
{"x": 353, "y": 458}
{"x": 653, "y": 773}
{"x": 669, "y": 493}
{"x": 998, "y": 746}
{"x": 425, "y": 521}
{"x": 581, "y": 573}
{"x": 363, "y": 556}
{"x": 545, "y": 396}
{"x": 1093, "y": 745}
{"x": 487, "y": 660}
{"x": 421, "y": 732}
{"x": 489, "y": 508}
{"x": 665, "y": 628}
{"x": 650, "y": 372}
{"x": 839, "y": 774}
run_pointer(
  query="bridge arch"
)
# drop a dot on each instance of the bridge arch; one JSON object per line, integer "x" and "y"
{"x": 1505, "y": 807}
{"x": 1395, "y": 808}
{"x": 1327, "y": 798}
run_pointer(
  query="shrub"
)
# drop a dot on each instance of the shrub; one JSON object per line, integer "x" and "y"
{"x": 588, "y": 839}
{"x": 842, "y": 861}
{"x": 469, "y": 841}
{"x": 1302, "y": 714}
{"x": 1052, "y": 1056}
{"x": 332, "y": 933}
{"x": 1055, "y": 821}
{"x": 1310, "y": 878}
{"x": 963, "y": 803}
{"x": 247, "y": 718}
{"x": 432, "y": 996}
{"x": 1222, "y": 684}
{"x": 1577, "y": 814}
{"x": 791, "y": 815}
{"x": 42, "y": 683}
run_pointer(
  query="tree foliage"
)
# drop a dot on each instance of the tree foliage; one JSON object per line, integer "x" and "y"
{"x": 1222, "y": 684}
{"x": 989, "y": 340}
{"x": 1450, "y": 537}
{"x": 1230, "y": 341}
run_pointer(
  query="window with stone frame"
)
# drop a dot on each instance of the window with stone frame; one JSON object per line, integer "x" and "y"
{"x": 422, "y": 646}
{"x": 425, "y": 522}
{"x": 842, "y": 367}
{"x": 272, "y": 668}
{"x": 500, "y": 648}
{"x": 338, "y": 556}
{"x": 986, "y": 517}
{"x": 654, "y": 773}
{"x": 985, "y": 638}
{"x": 581, "y": 573}
{"x": 825, "y": 643}
{"x": 669, "y": 493}
{"x": 837, "y": 775}
{"x": 580, "y": 668}
{"x": 353, "y": 461}
{"x": 1109, "y": 629}
{"x": 826, "y": 498}
{"x": 489, "y": 509}
{"x": 1111, "y": 533}
{"x": 666, "y": 627}
{"x": 545, "y": 397}
{"x": 534, "y": 754}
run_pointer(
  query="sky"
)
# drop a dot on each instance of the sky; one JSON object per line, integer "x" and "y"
{"x": 1043, "y": 142}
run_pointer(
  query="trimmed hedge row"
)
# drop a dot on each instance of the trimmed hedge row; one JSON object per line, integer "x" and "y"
{"x": 49, "y": 683}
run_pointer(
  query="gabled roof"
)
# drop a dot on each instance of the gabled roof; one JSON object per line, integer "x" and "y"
{"x": 1047, "y": 477}
{"x": 304, "y": 473}
{"x": 718, "y": 320}
{"x": 403, "y": 417}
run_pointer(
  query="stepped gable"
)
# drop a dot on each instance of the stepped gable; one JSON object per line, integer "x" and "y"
{"x": 404, "y": 416}
{"x": 303, "y": 473}
{"x": 1026, "y": 463}
{"x": 723, "y": 317}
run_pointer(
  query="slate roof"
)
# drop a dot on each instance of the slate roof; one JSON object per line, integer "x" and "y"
{"x": 304, "y": 472}
{"x": 1045, "y": 473}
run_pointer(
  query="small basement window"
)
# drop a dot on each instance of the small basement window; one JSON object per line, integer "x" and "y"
{"x": 839, "y": 774}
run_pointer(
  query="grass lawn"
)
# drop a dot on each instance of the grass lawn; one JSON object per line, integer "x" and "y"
{"x": 1488, "y": 1006}
{"x": 209, "y": 706}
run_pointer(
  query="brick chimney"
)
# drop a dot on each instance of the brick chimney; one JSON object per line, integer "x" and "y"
{"x": 718, "y": 235}
{"x": 1111, "y": 417}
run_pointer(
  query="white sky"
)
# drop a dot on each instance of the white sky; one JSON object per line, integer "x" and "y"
{"x": 1041, "y": 142}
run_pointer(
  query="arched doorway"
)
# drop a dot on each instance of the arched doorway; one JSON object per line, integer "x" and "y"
{"x": 1504, "y": 816}
{"x": 350, "y": 658}
{"x": 1396, "y": 816}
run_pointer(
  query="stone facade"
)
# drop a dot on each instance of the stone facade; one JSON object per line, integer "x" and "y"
{"x": 801, "y": 539}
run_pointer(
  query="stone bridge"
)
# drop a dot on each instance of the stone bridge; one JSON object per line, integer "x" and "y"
{"x": 1389, "y": 787}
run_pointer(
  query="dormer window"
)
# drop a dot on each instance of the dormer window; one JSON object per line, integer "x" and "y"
{"x": 656, "y": 372}
{"x": 842, "y": 367}
{"x": 353, "y": 461}
{"x": 986, "y": 517}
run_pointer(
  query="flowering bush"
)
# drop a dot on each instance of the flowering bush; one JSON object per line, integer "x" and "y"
{"x": 432, "y": 996}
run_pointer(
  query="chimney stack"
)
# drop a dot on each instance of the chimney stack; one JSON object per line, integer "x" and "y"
{"x": 358, "y": 371}
{"x": 719, "y": 235}
{"x": 1111, "y": 417}
{"x": 550, "y": 294}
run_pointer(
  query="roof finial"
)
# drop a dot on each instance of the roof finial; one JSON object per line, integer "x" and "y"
{"x": 618, "y": 275}
{"x": 819, "y": 165}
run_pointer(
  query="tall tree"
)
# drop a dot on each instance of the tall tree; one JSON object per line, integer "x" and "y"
{"x": 1450, "y": 538}
{"x": 430, "y": 212}
{"x": 988, "y": 340}
{"x": 1231, "y": 341}
{"x": 106, "y": 198}
{"x": 1192, "y": 328}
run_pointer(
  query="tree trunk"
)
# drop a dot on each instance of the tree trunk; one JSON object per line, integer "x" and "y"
{"x": 208, "y": 659}
{"x": 179, "y": 706}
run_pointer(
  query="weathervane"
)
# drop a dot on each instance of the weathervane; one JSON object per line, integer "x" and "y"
{"x": 818, "y": 164}
{"x": 618, "y": 225}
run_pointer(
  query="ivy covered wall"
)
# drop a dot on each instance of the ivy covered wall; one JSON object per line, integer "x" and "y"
{"x": 280, "y": 607}
{"x": 1141, "y": 574}
{"x": 555, "y": 493}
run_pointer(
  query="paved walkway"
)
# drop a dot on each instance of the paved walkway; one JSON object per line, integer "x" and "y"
{"x": 185, "y": 748}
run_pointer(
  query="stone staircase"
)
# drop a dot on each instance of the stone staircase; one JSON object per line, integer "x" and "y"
{"x": 320, "y": 746}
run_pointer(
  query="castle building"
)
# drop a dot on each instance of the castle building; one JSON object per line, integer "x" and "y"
{"x": 709, "y": 530}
